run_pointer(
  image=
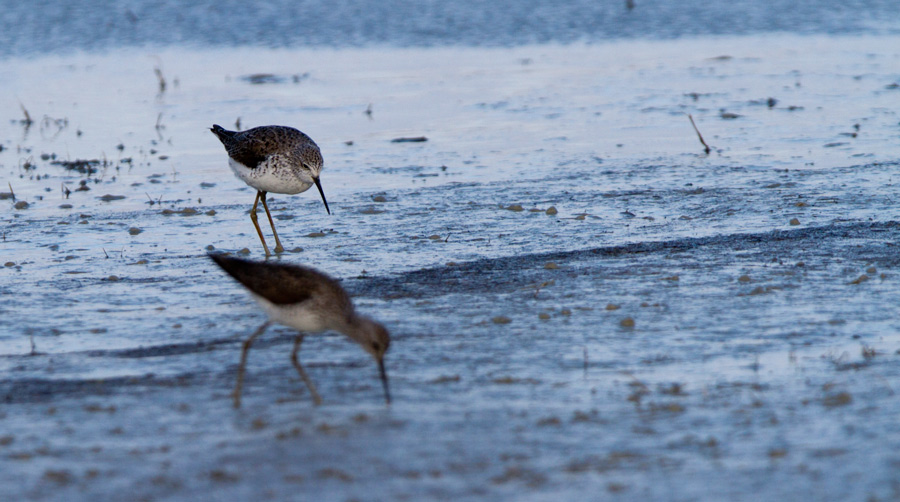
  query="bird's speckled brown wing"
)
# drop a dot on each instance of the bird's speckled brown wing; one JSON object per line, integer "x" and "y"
{"x": 251, "y": 147}
{"x": 283, "y": 284}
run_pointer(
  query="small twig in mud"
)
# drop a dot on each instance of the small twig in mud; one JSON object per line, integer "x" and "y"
{"x": 368, "y": 111}
{"x": 33, "y": 347}
{"x": 27, "y": 164}
{"x": 585, "y": 360}
{"x": 237, "y": 124}
{"x": 65, "y": 190}
{"x": 706, "y": 147}
{"x": 448, "y": 237}
{"x": 104, "y": 252}
{"x": 27, "y": 121}
{"x": 539, "y": 287}
{"x": 56, "y": 125}
{"x": 159, "y": 126}
{"x": 11, "y": 193}
{"x": 157, "y": 201}
{"x": 162, "y": 80}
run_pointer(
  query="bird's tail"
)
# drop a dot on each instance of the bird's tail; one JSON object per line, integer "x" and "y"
{"x": 224, "y": 135}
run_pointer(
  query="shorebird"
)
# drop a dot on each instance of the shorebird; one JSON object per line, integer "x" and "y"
{"x": 308, "y": 301}
{"x": 275, "y": 159}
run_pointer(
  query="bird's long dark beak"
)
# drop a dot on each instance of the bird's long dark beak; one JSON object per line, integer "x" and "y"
{"x": 319, "y": 186}
{"x": 384, "y": 381}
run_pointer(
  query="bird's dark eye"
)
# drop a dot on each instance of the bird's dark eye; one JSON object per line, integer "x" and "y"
{"x": 376, "y": 346}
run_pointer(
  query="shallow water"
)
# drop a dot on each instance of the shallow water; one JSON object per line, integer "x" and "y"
{"x": 760, "y": 363}
{"x": 54, "y": 26}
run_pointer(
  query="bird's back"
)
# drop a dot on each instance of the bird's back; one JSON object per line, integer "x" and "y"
{"x": 283, "y": 284}
{"x": 253, "y": 146}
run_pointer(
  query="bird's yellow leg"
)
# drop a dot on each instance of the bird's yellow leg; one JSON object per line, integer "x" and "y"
{"x": 278, "y": 247}
{"x": 240, "y": 376}
{"x": 256, "y": 223}
{"x": 312, "y": 388}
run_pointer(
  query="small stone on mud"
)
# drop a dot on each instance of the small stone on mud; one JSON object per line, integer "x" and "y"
{"x": 244, "y": 251}
{"x": 501, "y": 320}
{"x": 416, "y": 139}
{"x": 108, "y": 197}
{"x": 210, "y": 247}
{"x": 297, "y": 249}
{"x": 551, "y": 266}
{"x": 112, "y": 278}
{"x": 839, "y": 399}
{"x": 379, "y": 198}
{"x": 861, "y": 279}
{"x": 211, "y": 212}
{"x": 134, "y": 230}
{"x": 612, "y": 306}
{"x": 445, "y": 379}
{"x": 551, "y": 211}
{"x": 744, "y": 278}
{"x": 543, "y": 316}
{"x": 188, "y": 211}
{"x": 627, "y": 322}
{"x": 315, "y": 234}
{"x": 794, "y": 221}
{"x": 9, "y": 264}
{"x": 21, "y": 205}
{"x": 65, "y": 206}
{"x": 515, "y": 207}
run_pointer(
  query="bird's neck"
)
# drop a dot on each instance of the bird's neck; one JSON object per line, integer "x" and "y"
{"x": 355, "y": 326}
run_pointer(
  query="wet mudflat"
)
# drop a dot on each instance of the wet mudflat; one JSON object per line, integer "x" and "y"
{"x": 582, "y": 301}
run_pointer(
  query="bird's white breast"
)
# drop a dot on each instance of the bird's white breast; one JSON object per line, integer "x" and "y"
{"x": 272, "y": 175}
{"x": 299, "y": 317}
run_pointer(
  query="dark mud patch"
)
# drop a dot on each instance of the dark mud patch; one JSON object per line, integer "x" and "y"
{"x": 874, "y": 242}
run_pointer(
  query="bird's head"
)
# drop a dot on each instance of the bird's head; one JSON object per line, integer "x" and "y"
{"x": 374, "y": 339}
{"x": 309, "y": 165}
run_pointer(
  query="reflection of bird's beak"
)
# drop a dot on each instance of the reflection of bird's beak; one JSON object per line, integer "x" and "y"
{"x": 384, "y": 381}
{"x": 319, "y": 186}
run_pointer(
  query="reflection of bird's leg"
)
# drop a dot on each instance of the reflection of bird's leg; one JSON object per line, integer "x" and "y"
{"x": 256, "y": 223}
{"x": 278, "y": 248}
{"x": 303, "y": 375}
{"x": 240, "y": 376}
